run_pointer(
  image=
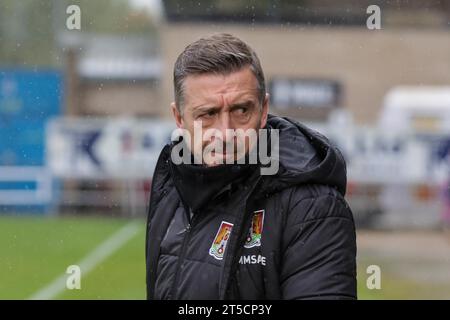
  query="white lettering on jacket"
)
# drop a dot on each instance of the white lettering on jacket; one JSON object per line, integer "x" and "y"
{"x": 253, "y": 259}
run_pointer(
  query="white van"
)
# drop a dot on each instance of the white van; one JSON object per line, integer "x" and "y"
{"x": 417, "y": 109}
{"x": 423, "y": 114}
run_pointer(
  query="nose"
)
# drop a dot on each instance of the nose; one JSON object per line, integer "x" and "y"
{"x": 224, "y": 124}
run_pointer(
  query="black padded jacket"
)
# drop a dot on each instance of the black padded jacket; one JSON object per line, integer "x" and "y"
{"x": 284, "y": 236}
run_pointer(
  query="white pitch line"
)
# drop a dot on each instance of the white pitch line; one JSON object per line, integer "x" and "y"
{"x": 89, "y": 262}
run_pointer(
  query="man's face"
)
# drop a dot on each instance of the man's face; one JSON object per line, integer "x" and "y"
{"x": 221, "y": 102}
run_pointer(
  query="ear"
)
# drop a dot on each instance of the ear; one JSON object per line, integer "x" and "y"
{"x": 177, "y": 115}
{"x": 265, "y": 110}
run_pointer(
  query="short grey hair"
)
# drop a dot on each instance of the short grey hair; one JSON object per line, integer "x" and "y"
{"x": 220, "y": 53}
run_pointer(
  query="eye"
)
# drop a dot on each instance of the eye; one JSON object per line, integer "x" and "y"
{"x": 241, "y": 110}
{"x": 210, "y": 113}
{"x": 207, "y": 114}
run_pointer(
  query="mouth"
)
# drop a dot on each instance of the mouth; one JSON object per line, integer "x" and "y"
{"x": 223, "y": 154}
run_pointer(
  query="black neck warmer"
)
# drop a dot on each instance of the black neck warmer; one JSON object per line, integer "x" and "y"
{"x": 197, "y": 184}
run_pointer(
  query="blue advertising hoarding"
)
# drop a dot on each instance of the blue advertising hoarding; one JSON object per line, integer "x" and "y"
{"x": 28, "y": 99}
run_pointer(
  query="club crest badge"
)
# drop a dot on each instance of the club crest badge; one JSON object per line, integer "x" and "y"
{"x": 255, "y": 231}
{"x": 220, "y": 242}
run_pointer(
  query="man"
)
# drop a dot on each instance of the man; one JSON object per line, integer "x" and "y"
{"x": 222, "y": 229}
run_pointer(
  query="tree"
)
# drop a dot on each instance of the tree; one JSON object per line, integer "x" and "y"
{"x": 29, "y": 28}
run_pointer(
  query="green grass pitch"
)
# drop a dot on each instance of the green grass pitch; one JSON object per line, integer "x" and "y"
{"x": 37, "y": 250}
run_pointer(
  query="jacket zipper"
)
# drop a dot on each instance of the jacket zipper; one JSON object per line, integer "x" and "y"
{"x": 186, "y": 238}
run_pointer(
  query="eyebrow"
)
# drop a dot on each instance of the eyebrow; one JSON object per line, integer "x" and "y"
{"x": 201, "y": 109}
{"x": 247, "y": 103}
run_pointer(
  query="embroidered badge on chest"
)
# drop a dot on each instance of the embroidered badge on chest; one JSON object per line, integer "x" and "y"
{"x": 220, "y": 242}
{"x": 255, "y": 231}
